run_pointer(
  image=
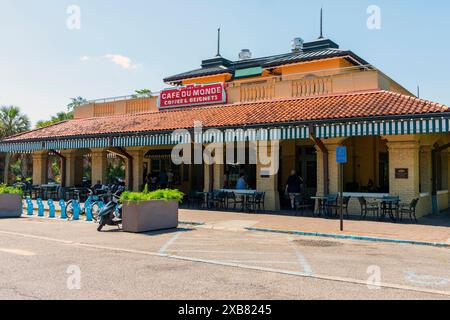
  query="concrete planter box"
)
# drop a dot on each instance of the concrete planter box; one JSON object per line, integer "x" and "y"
{"x": 148, "y": 216}
{"x": 10, "y": 205}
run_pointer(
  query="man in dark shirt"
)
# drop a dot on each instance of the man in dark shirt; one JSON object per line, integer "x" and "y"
{"x": 294, "y": 187}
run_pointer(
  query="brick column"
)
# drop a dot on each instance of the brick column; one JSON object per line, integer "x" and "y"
{"x": 426, "y": 171}
{"x": 267, "y": 176}
{"x": 99, "y": 166}
{"x": 404, "y": 154}
{"x": 219, "y": 172}
{"x": 333, "y": 167}
{"x": 40, "y": 168}
{"x": 208, "y": 183}
{"x": 320, "y": 181}
{"x": 445, "y": 169}
{"x": 137, "y": 169}
{"x": 74, "y": 168}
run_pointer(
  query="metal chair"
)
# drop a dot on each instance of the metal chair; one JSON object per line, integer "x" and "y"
{"x": 346, "y": 202}
{"x": 391, "y": 206}
{"x": 330, "y": 204}
{"x": 256, "y": 201}
{"x": 409, "y": 209}
{"x": 301, "y": 205}
{"x": 367, "y": 207}
{"x": 195, "y": 199}
{"x": 233, "y": 200}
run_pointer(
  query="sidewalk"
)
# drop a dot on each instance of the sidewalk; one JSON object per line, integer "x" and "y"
{"x": 428, "y": 230}
{"x": 433, "y": 230}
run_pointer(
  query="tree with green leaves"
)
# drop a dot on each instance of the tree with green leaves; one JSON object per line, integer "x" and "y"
{"x": 142, "y": 93}
{"x": 60, "y": 117}
{"x": 12, "y": 122}
{"x": 76, "y": 102}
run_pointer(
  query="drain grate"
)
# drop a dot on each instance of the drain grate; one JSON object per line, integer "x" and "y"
{"x": 318, "y": 243}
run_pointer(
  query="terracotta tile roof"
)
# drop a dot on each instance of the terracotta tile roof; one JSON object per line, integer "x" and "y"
{"x": 312, "y": 109}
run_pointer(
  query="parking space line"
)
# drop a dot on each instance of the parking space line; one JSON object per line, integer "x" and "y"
{"x": 231, "y": 252}
{"x": 301, "y": 258}
{"x": 262, "y": 262}
{"x": 18, "y": 252}
{"x": 167, "y": 245}
{"x": 234, "y": 265}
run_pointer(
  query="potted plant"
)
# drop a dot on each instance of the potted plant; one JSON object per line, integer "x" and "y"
{"x": 150, "y": 211}
{"x": 10, "y": 202}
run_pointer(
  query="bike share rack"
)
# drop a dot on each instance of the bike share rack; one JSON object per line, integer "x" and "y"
{"x": 63, "y": 208}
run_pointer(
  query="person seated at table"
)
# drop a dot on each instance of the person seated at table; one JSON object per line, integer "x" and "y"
{"x": 371, "y": 186}
{"x": 242, "y": 183}
{"x": 294, "y": 187}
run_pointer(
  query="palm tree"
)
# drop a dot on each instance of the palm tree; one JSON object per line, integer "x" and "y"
{"x": 61, "y": 116}
{"x": 76, "y": 102}
{"x": 12, "y": 122}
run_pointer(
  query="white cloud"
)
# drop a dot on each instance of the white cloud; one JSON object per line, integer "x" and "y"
{"x": 85, "y": 58}
{"x": 122, "y": 61}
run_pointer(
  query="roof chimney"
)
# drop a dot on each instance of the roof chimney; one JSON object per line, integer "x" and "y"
{"x": 297, "y": 45}
{"x": 245, "y": 54}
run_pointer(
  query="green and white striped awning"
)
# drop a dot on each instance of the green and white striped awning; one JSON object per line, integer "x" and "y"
{"x": 281, "y": 132}
{"x": 384, "y": 128}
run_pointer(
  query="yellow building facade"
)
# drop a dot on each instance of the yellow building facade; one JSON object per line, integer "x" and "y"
{"x": 310, "y": 101}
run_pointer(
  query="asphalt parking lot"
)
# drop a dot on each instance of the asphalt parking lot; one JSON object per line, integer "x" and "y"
{"x": 195, "y": 262}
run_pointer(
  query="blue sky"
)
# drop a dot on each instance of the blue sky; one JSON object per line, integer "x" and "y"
{"x": 128, "y": 45}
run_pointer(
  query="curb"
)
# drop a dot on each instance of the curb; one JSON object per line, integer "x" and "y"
{"x": 351, "y": 237}
{"x": 192, "y": 223}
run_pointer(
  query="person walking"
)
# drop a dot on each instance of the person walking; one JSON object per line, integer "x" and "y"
{"x": 294, "y": 187}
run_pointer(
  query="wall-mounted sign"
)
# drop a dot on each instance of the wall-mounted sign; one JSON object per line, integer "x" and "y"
{"x": 341, "y": 155}
{"x": 193, "y": 95}
{"x": 401, "y": 174}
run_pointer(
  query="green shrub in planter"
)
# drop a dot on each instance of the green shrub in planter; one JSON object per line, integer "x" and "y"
{"x": 10, "y": 202}
{"x": 4, "y": 189}
{"x": 164, "y": 194}
{"x": 150, "y": 211}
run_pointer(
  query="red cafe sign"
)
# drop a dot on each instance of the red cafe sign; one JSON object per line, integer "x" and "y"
{"x": 193, "y": 95}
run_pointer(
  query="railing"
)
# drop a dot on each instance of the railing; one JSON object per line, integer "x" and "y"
{"x": 104, "y": 110}
{"x": 137, "y": 106}
{"x": 257, "y": 92}
{"x": 122, "y": 98}
{"x": 311, "y": 87}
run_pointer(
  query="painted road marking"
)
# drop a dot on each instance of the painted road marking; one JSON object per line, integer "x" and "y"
{"x": 262, "y": 262}
{"x": 301, "y": 258}
{"x": 18, "y": 252}
{"x": 167, "y": 245}
{"x": 426, "y": 280}
{"x": 236, "y": 265}
{"x": 232, "y": 252}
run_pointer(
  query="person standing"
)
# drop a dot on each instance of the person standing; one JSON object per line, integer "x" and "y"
{"x": 294, "y": 187}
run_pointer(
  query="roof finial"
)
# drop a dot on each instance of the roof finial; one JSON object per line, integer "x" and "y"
{"x": 418, "y": 91}
{"x": 321, "y": 23}
{"x": 218, "y": 42}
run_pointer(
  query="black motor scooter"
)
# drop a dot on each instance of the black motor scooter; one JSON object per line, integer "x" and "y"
{"x": 111, "y": 213}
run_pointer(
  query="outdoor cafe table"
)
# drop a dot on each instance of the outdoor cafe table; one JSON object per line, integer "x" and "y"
{"x": 244, "y": 194}
{"x": 389, "y": 205}
{"x": 319, "y": 203}
{"x": 321, "y": 199}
